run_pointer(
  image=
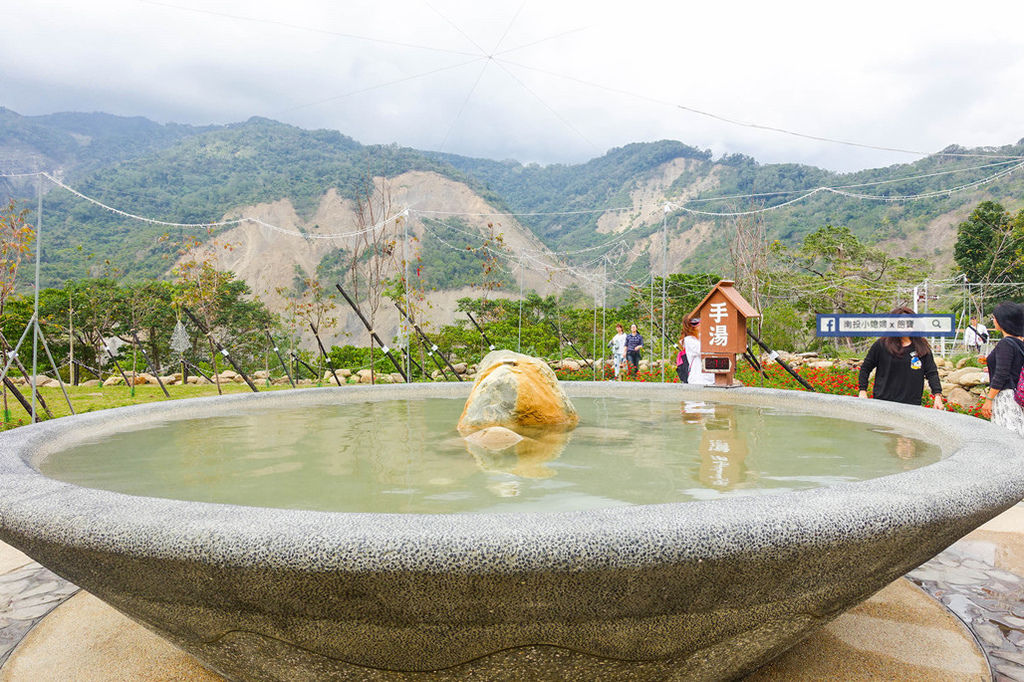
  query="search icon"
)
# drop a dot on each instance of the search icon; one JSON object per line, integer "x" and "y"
{"x": 937, "y": 323}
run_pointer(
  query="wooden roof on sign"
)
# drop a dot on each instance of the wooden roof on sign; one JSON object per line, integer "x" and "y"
{"x": 734, "y": 297}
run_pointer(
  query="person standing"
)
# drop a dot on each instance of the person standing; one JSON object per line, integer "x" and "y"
{"x": 634, "y": 346}
{"x": 682, "y": 358}
{"x": 1004, "y": 365}
{"x": 692, "y": 342}
{"x": 975, "y": 335}
{"x": 901, "y": 365}
{"x": 618, "y": 346}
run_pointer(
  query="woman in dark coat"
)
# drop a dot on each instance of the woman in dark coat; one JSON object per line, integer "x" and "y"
{"x": 1004, "y": 365}
{"x": 901, "y": 365}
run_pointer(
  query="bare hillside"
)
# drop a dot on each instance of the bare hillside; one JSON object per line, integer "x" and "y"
{"x": 269, "y": 259}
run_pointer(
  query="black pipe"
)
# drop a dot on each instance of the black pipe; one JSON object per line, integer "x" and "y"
{"x": 279, "y": 358}
{"x": 87, "y": 368}
{"x": 149, "y": 364}
{"x": 413, "y": 362}
{"x": 303, "y": 363}
{"x": 427, "y": 341}
{"x": 116, "y": 364}
{"x": 775, "y": 356}
{"x": 326, "y": 357}
{"x": 571, "y": 345}
{"x": 17, "y": 394}
{"x": 24, "y": 372}
{"x": 223, "y": 351}
{"x": 373, "y": 334}
{"x": 480, "y": 329}
{"x": 201, "y": 372}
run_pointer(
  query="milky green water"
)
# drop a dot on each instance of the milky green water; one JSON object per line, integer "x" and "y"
{"x": 407, "y": 457}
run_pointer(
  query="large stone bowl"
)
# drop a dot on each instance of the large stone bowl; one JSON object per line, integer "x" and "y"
{"x": 686, "y": 591}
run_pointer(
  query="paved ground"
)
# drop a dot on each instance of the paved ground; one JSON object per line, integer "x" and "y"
{"x": 898, "y": 634}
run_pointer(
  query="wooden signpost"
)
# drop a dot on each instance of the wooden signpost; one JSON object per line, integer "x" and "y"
{"x": 723, "y": 330}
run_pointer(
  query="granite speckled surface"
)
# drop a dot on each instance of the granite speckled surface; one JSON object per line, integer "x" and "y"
{"x": 703, "y": 590}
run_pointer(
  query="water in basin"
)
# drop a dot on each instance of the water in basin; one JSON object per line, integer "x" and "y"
{"x": 405, "y": 456}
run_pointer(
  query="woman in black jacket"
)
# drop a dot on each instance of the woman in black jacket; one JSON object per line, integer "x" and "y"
{"x": 1004, "y": 365}
{"x": 901, "y": 364}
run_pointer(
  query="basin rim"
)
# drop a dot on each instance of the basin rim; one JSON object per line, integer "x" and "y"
{"x": 981, "y": 474}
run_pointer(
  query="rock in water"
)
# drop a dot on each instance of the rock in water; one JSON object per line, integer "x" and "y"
{"x": 494, "y": 438}
{"x": 518, "y": 392}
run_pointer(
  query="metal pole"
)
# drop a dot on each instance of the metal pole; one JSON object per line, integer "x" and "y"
{"x": 405, "y": 263}
{"x": 71, "y": 342}
{"x": 519, "y": 345}
{"x": 775, "y": 356}
{"x": 56, "y": 372}
{"x": 222, "y": 349}
{"x": 595, "y": 332}
{"x": 35, "y": 305}
{"x": 664, "y": 279}
{"x": 651, "y": 313}
{"x": 604, "y": 315}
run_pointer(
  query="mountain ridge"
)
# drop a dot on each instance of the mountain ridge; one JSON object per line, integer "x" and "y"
{"x": 199, "y": 174}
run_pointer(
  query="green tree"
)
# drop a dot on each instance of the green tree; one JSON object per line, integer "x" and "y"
{"x": 834, "y": 272}
{"x": 990, "y": 245}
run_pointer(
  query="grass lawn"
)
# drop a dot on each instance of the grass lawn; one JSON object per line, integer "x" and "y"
{"x": 92, "y": 398}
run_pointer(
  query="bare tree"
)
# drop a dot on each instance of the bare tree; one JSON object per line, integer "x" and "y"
{"x": 373, "y": 255}
{"x": 201, "y": 288}
{"x": 749, "y": 251}
{"x": 15, "y": 237}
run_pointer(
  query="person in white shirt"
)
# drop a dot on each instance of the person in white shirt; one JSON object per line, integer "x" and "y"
{"x": 975, "y": 336}
{"x": 618, "y": 346}
{"x": 692, "y": 345}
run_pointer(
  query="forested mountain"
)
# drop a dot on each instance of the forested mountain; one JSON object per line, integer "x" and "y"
{"x": 189, "y": 174}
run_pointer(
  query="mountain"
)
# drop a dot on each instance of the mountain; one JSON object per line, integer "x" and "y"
{"x": 606, "y": 214}
{"x": 75, "y": 142}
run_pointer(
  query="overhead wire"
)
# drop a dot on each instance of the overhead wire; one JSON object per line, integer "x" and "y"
{"x": 310, "y": 29}
{"x": 747, "y": 124}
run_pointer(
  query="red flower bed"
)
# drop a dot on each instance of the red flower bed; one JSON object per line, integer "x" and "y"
{"x": 834, "y": 380}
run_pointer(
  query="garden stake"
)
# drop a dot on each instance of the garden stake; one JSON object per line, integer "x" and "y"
{"x": 373, "y": 334}
{"x": 490, "y": 346}
{"x": 433, "y": 348}
{"x": 571, "y": 344}
{"x": 280, "y": 359}
{"x": 149, "y": 365}
{"x": 779, "y": 360}
{"x": 223, "y": 351}
{"x": 327, "y": 358}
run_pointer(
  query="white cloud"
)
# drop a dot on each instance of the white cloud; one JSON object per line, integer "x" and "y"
{"x": 890, "y": 74}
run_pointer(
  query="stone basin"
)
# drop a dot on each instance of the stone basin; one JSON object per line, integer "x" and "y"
{"x": 687, "y": 591}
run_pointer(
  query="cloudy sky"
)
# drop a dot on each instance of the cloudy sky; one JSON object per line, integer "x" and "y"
{"x": 545, "y": 81}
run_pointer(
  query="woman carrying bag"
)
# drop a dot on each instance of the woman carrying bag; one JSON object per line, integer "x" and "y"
{"x": 1004, "y": 365}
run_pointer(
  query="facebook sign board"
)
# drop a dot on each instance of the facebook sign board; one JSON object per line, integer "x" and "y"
{"x": 886, "y": 325}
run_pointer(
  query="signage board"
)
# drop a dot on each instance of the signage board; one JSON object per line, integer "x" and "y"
{"x": 717, "y": 364}
{"x": 886, "y": 325}
{"x": 722, "y": 328}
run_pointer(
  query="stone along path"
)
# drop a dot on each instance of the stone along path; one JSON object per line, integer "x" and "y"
{"x": 27, "y": 593}
{"x": 979, "y": 579}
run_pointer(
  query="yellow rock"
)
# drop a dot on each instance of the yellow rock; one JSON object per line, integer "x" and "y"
{"x": 518, "y": 392}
